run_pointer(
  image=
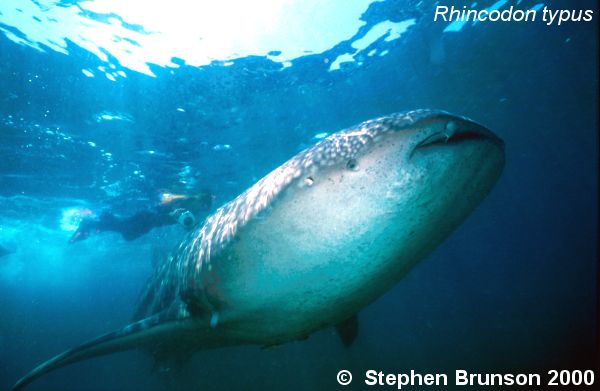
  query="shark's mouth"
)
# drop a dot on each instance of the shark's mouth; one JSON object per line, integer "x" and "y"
{"x": 448, "y": 138}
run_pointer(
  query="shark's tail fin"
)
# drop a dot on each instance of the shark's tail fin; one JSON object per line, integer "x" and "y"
{"x": 129, "y": 337}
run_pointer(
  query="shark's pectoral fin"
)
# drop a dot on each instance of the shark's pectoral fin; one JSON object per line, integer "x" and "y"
{"x": 347, "y": 330}
{"x": 138, "y": 334}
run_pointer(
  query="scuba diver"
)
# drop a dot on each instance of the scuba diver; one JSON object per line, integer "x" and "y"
{"x": 172, "y": 209}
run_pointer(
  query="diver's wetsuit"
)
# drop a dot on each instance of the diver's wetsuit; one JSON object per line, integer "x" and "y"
{"x": 185, "y": 211}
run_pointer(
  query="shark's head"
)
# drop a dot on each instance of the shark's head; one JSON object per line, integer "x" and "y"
{"x": 427, "y": 160}
{"x": 393, "y": 187}
{"x": 431, "y": 162}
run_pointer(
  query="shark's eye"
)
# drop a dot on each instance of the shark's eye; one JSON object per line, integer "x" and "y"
{"x": 352, "y": 165}
{"x": 308, "y": 181}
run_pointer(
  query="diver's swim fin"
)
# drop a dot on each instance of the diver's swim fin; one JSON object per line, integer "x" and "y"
{"x": 347, "y": 330}
{"x": 128, "y": 337}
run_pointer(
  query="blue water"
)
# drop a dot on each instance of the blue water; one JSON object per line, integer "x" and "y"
{"x": 106, "y": 108}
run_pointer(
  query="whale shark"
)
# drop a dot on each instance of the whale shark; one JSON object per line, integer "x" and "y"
{"x": 314, "y": 241}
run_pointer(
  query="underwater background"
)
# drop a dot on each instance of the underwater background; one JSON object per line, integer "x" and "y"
{"x": 107, "y": 104}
